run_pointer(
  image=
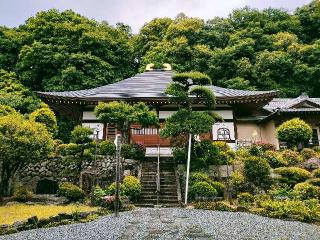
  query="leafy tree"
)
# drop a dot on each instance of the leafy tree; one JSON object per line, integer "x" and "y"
{"x": 15, "y": 95}
{"x": 47, "y": 117}
{"x": 294, "y": 132}
{"x": 22, "y": 142}
{"x": 123, "y": 115}
{"x": 78, "y": 151}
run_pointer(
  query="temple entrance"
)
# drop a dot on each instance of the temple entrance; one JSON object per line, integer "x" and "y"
{"x": 47, "y": 186}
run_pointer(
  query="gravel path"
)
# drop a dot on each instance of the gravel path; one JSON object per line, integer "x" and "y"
{"x": 176, "y": 223}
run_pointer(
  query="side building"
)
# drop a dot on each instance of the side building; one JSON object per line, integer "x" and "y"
{"x": 249, "y": 116}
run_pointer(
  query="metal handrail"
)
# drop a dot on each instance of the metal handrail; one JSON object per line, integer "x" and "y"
{"x": 158, "y": 175}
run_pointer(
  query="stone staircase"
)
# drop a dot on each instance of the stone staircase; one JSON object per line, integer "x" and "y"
{"x": 168, "y": 185}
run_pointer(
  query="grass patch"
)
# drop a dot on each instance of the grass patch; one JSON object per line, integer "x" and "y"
{"x": 21, "y": 212}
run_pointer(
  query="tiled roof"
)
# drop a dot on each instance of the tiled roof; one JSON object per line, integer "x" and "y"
{"x": 150, "y": 84}
{"x": 287, "y": 104}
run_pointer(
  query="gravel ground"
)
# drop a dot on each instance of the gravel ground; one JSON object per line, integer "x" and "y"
{"x": 176, "y": 223}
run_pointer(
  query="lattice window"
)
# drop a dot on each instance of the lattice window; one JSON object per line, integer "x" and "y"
{"x": 223, "y": 134}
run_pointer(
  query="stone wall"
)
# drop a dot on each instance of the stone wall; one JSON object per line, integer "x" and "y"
{"x": 100, "y": 171}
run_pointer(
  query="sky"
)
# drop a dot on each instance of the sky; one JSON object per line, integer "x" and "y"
{"x": 134, "y": 12}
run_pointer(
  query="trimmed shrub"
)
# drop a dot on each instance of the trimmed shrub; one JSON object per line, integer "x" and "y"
{"x": 292, "y": 157}
{"x": 131, "y": 187}
{"x": 22, "y": 194}
{"x": 308, "y": 153}
{"x": 133, "y": 151}
{"x": 202, "y": 189}
{"x": 316, "y": 173}
{"x": 238, "y": 182}
{"x": 257, "y": 170}
{"x": 222, "y": 146}
{"x": 245, "y": 198}
{"x": 294, "y": 132}
{"x": 111, "y": 189}
{"x": 96, "y": 198}
{"x": 259, "y": 198}
{"x": 292, "y": 175}
{"x": 306, "y": 190}
{"x": 198, "y": 177}
{"x": 282, "y": 193}
{"x": 275, "y": 159}
{"x": 218, "y": 206}
{"x": 72, "y": 192}
{"x": 314, "y": 182}
{"x": 255, "y": 150}
{"x": 218, "y": 186}
{"x": 107, "y": 148}
{"x": 266, "y": 146}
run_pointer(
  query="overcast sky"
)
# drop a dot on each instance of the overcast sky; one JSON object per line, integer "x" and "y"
{"x": 134, "y": 12}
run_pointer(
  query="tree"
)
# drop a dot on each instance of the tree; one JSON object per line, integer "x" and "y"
{"x": 294, "y": 132}
{"x": 22, "y": 142}
{"x": 77, "y": 152}
{"x": 123, "y": 115}
{"x": 15, "y": 95}
{"x": 47, "y": 117}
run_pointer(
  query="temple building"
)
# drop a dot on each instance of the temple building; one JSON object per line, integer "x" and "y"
{"x": 249, "y": 116}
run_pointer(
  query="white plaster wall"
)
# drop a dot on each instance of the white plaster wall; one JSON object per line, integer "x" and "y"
{"x": 88, "y": 115}
{"x": 95, "y": 127}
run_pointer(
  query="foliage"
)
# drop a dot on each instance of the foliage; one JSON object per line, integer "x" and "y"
{"x": 292, "y": 175}
{"x": 131, "y": 188}
{"x": 47, "y": 117}
{"x": 133, "y": 151}
{"x": 245, "y": 198}
{"x": 218, "y": 206}
{"x": 314, "y": 182}
{"x": 22, "y": 194}
{"x": 316, "y": 173}
{"x": 282, "y": 192}
{"x": 97, "y": 194}
{"x": 292, "y": 209}
{"x": 257, "y": 171}
{"x": 107, "y": 148}
{"x": 202, "y": 189}
{"x": 81, "y": 135}
{"x": 238, "y": 182}
{"x": 306, "y": 190}
{"x": 292, "y": 157}
{"x": 265, "y": 146}
{"x": 15, "y": 94}
{"x": 308, "y": 153}
{"x": 275, "y": 159}
{"x": 31, "y": 143}
{"x": 72, "y": 192}
{"x": 204, "y": 154}
{"x": 6, "y": 110}
{"x": 123, "y": 115}
{"x": 21, "y": 212}
{"x": 196, "y": 177}
{"x": 294, "y": 132}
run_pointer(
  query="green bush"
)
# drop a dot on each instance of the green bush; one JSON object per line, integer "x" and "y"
{"x": 202, "y": 189}
{"x": 198, "y": 177}
{"x": 107, "y": 148}
{"x": 314, "y": 182}
{"x": 306, "y": 190}
{"x": 283, "y": 192}
{"x": 259, "y": 198}
{"x": 265, "y": 146}
{"x": 131, "y": 187}
{"x": 292, "y": 175}
{"x": 290, "y": 209}
{"x": 133, "y": 151}
{"x": 218, "y": 186}
{"x": 96, "y": 198}
{"x": 292, "y": 157}
{"x": 294, "y": 132}
{"x": 111, "y": 189}
{"x": 218, "y": 206}
{"x": 72, "y": 192}
{"x": 257, "y": 171}
{"x": 308, "y": 153}
{"x": 245, "y": 198}
{"x": 255, "y": 150}
{"x": 239, "y": 183}
{"x": 316, "y": 173}
{"x": 22, "y": 194}
{"x": 275, "y": 159}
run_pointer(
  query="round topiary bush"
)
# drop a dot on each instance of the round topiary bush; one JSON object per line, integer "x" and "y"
{"x": 245, "y": 198}
{"x": 72, "y": 192}
{"x": 292, "y": 157}
{"x": 292, "y": 175}
{"x": 198, "y": 177}
{"x": 307, "y": 191}
{"x": 257, "y": 170}
{"x": 218, "y": 186}
{"x": 202, "y": 189}
{"x": 131, "y": 187}
{"x": 294, "y": 132}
